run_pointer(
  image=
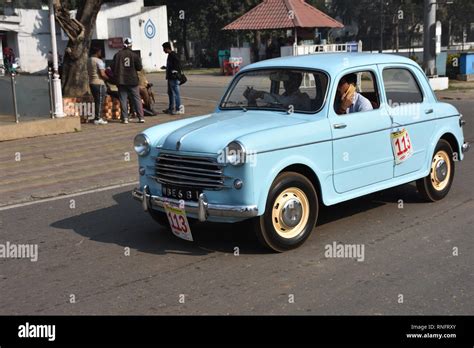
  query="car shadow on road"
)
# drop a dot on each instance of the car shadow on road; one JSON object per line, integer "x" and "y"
{"x": 407, "y": 194}
{"x": 125, "y": 224}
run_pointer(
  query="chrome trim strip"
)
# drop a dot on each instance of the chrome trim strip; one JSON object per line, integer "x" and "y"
{"x": 202, "y": 208}
{"x": 204, "y": 171}
{"x": 189, "y": 184}
{"x": 204, "y": 181}
{"x": 354, "y": 135}
{"x": 188, "y": 172}
{"x": 206, "y": 163}
{"x": 192, "y": 159}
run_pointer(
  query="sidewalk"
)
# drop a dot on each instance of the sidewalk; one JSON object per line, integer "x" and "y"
{"x": 56, "y": 165}
{"x": 458, "y": 90}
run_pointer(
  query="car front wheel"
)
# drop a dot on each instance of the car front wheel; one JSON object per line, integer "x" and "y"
{"x": 290, "y": 214}
{"x": 437, "y": 184}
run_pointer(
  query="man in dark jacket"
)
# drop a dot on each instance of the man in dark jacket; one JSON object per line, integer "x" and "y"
{"x": 173, "y": 69}
{"x": 125, "y": 66}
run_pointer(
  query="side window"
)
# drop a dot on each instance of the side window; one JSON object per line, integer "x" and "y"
{"x": 357, "y": 92}
{"x": 401, "y": 87}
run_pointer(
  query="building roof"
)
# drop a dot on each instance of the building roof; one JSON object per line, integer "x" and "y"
{"x": 333, "y": 63}
{"x": 283, "y": 14}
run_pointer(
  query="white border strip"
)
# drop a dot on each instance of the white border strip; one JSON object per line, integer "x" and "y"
{"x": 57, "y": 198}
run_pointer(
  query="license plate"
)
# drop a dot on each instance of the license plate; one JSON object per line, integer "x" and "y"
{"x": 178, "y": 222}
{"x": 179, "y": 193}
{"x": 401, "y": 145}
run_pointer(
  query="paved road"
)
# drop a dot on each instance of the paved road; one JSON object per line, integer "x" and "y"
{"x": 82, "y": 252}
{"x": 203, "y": 87}
{"x": 408, "y": 252}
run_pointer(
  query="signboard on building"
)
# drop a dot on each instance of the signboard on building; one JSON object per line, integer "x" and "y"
{"x": 115, "y": 42}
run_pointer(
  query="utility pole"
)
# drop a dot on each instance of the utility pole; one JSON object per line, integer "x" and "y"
{"x": 381, "y": 26}
{"x": 429, "y": 28}
{"x": 57, "y": 92}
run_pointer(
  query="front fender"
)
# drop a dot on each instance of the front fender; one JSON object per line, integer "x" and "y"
{"x": 443, "y": 127}
{"x": 271, "y": 164}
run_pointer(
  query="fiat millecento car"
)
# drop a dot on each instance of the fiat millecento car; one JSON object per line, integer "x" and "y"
{"x": 291, "y": 134}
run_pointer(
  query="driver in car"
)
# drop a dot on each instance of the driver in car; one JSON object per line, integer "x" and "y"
{"x": 291, "y": 97}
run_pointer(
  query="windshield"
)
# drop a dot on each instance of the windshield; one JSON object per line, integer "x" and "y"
{"x": 278, "y": 89}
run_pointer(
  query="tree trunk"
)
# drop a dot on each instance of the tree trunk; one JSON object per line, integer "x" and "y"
{"x": 74, "y": 78}
{"x": 185, "y": 40}
{"x": 397, "y": 36}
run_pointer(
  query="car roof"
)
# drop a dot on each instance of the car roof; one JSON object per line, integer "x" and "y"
{"x": 331, "y": 62}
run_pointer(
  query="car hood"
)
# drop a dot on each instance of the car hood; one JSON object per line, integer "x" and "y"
{"x": 212, "y": 134}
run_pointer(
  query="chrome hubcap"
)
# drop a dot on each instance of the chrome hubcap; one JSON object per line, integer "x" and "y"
{"x": 441, "y": 170}
{"x": 291, "y": 213}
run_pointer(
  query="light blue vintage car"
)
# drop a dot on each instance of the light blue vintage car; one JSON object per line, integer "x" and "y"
{"x": 293, "y": 133}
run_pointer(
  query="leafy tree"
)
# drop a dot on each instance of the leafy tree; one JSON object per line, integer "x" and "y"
{"x": 201, "y": 22}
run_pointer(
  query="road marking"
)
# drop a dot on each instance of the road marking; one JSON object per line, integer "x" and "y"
{"x": 57, "y": 198}
{"x": 198, "y": 99}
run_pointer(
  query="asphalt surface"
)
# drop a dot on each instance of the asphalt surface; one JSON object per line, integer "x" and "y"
{"x": 84, "y": 245}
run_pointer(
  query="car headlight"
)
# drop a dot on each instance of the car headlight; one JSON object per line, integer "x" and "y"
{"x": 235, "y": 153}
{"x": 141, "y": 145}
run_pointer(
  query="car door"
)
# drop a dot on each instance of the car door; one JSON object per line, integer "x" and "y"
{"x": 362, "y": 153}
{"x": 410, "y": 104}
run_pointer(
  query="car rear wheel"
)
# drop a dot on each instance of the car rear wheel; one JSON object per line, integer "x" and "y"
{"x": 437, "y": 184}
{"x": 290, "y": 215}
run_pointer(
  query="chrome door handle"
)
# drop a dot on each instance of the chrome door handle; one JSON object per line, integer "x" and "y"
{"x": 340, "y": 125}
{"x": 429, "y": 111}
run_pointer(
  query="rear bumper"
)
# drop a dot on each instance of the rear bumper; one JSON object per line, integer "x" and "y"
{"x": 466, "y": 147}
{"x": 201, "y": 208}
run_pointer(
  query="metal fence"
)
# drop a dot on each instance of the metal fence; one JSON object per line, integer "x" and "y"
{"x": 20, "y": 91}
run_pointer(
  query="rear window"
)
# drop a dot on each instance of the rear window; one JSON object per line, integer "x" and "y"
{"x": 401, "y": 87}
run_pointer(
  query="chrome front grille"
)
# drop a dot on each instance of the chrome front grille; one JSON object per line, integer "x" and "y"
{"x": 190, "y": 171}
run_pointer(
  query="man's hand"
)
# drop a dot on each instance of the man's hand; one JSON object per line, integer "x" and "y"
{"x": 347, "y": 98}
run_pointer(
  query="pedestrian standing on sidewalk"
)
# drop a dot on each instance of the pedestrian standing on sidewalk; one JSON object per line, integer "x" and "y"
{"x": 125, "y": 66}
{"x": 97, "y": 78}
{"x": 173, "y": 71}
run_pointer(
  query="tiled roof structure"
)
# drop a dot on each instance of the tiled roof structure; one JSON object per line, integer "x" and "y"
{"x": 282, "y": 14}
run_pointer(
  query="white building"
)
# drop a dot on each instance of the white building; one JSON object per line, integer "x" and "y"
{"x": 27, "y": 32}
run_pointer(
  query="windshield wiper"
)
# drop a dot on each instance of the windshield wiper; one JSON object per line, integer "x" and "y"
{"x": 241, "y": 105}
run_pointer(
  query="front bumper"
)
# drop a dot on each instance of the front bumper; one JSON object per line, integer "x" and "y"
{"x": 201, "y": 208}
